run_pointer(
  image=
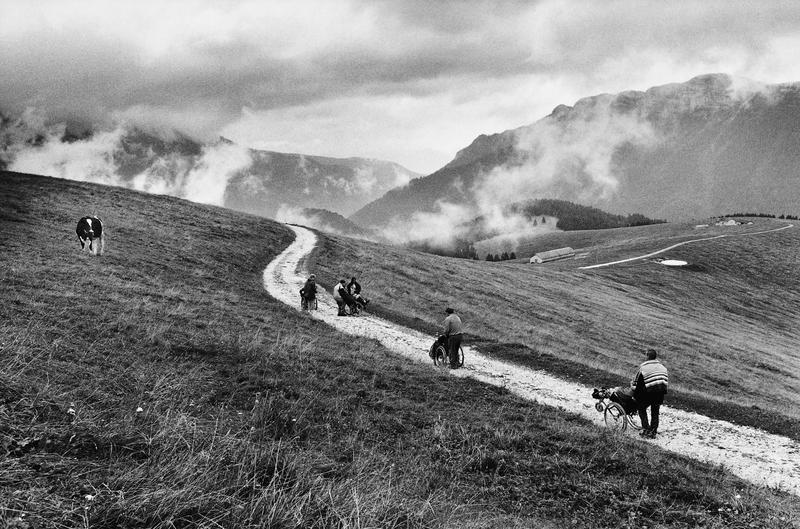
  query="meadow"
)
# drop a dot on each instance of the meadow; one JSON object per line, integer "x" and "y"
{"x": 158, "y": 385}
{"x": 728, "y": 326}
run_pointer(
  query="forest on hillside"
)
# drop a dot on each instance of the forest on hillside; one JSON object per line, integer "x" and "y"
{"x": 573, "y": 216}
{"x": 570, "y": 217}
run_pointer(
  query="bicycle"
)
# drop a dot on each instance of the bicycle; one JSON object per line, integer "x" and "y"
{"x": 438, "y": 352}
{"x": 618, "y": 409}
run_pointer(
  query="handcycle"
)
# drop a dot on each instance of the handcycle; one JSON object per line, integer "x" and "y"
{"x": 618, "y": 408}
{"x": 352, "y": 304}
{"x": 438, "y": 352}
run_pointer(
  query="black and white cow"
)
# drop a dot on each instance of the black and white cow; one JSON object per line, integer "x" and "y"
{"x": 91, "y": 229}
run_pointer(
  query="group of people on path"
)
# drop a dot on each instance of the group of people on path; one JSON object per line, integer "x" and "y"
{"x": 346, "y": 295}
{"x": 649, "y": 386}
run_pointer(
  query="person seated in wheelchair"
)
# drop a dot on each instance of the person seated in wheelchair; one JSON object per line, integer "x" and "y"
{"x": 354, "y": 289}
{"x": 308, "y": 294}
{"x": 622, "y": 395}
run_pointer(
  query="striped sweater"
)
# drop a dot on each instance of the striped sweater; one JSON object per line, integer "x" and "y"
{"x": 653, "y": 374}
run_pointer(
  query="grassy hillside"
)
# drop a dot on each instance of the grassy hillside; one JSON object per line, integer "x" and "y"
{"x": 254, "y": 415}
{"x": 729, "y": 327}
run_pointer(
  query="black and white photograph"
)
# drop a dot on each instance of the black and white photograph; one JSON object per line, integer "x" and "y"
{"x": 369, "y": 264}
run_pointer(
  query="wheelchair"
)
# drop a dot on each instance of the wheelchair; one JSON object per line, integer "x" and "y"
{"x": 618, "y": 408}
{"x": 438, "y": 353}
{"x": 306, "y": 304}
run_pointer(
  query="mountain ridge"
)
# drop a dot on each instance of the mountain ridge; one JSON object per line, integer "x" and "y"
{"x": 219, "y": 172}
{"x": 679, "y": 150}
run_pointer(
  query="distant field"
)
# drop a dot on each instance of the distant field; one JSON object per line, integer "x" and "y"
{"x": 728, "y": 328}
{"x": 159, "y": 386}
{"x": 601, "y": 242}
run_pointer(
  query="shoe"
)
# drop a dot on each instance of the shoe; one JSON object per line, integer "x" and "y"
{"x": 644, "y": 433}
{"x": 651, "y": 434}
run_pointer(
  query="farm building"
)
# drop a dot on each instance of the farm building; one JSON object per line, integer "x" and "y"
{"x": 553, "y": 255}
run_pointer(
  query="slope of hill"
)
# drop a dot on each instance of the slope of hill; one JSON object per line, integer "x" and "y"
{"x": 676, "y": 151}
{"x": 158, "y": 385}
{"x": 727, "y": 326}
{"x": 221, "y": 173}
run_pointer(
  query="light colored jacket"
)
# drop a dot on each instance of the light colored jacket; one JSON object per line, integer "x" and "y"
{"x": 337, "y": 290}
{"x": 452, "y": 325}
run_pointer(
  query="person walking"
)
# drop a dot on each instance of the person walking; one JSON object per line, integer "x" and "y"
{"x": 649, "y": 388}
{"x": 452, "y": 328}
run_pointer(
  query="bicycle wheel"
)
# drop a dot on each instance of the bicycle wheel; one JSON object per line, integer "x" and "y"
{"x": 440, "y": 357}
{"x": 615, "y": 417}
{"x": 460, "y": 357}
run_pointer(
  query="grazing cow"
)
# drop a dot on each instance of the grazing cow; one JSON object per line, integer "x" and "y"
{"x": 91, "y": 229}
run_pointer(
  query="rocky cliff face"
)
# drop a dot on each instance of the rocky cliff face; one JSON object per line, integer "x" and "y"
{"x": 708, "y": 146}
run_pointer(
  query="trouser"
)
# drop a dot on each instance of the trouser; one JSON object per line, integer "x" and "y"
{"x": 340, "y": 303}
{"x": 653, "y": 399}
{"x": 349, "y": 301}
{"x": 453, "y": 344}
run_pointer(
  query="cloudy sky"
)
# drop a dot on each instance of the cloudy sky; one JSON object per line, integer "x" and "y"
{"x": 408, "y": 81}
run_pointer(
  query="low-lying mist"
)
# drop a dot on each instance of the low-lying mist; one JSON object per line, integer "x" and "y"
{"x": 568, "y": 155}
{"x": 578, "y": 154}
{"x": 122, "y": 155}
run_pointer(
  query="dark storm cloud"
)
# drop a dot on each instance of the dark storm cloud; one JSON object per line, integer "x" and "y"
{"x": 203, "y": 65}
{"x": 75, "y": 65}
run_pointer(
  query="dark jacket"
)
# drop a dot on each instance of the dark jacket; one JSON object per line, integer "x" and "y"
{"x": 309, "y": 290}
{"x": 353, "y": 288}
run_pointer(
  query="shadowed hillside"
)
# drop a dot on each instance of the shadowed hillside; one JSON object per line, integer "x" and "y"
{"x": 158, "y": 385}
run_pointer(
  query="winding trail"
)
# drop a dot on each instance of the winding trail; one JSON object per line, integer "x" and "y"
{"x": 759, "y": 457}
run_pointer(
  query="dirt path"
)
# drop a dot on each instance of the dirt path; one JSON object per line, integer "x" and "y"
{"x": 757, "y": 456}
{"x": 681, "y": 244}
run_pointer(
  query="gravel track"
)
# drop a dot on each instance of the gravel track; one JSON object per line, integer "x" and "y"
{"x": 756, "y": 456}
